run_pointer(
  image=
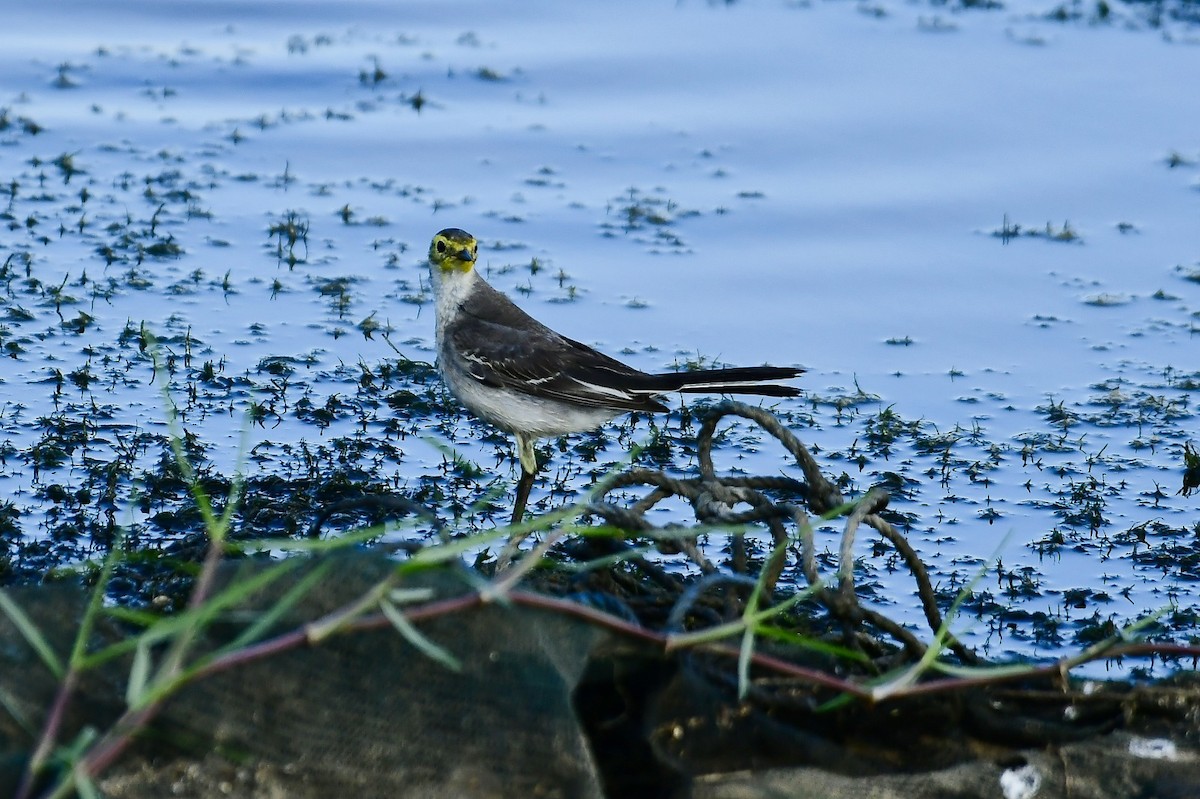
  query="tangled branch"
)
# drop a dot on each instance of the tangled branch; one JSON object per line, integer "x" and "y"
{"x": 733, "y": 502}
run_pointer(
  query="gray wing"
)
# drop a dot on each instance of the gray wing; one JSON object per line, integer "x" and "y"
{"x": 501, "y": 346}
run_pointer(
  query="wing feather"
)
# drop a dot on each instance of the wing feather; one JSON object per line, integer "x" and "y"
{"x": 501, "y": 346}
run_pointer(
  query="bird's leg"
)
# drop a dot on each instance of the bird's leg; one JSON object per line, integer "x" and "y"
{"x": 528, "y": 472}
{"x": 512, "y": 547}
{"x": 524, "y": 485}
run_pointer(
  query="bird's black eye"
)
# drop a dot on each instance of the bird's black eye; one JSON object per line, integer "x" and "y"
{"x": 441, "y": 246}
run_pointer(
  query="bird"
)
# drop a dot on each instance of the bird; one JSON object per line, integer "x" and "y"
{"x": 517, "y": 374}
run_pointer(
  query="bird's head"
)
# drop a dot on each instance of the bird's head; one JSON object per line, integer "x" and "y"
{"x": 453, "y": 250}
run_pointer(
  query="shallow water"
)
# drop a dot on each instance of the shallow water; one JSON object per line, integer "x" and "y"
{"x": 827, "y": 183}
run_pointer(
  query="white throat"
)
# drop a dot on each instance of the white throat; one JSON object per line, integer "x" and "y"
{"x": 450, "y": 290}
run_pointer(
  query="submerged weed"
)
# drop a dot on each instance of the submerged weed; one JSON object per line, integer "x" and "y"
{"x": 290, "y": 233}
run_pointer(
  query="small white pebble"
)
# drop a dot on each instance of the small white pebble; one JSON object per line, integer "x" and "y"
{"x": 1020, "y": 783}
{"x": 1153, "y": 748}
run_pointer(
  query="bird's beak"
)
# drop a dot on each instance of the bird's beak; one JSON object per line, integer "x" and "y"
{"x": 466, "y": 255}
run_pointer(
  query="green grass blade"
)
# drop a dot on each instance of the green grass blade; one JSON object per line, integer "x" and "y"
{"x": 87, "y": 789}
{"x": 414, "y": 637}
{"x": 812, "y": 644}
{"x": 745, "y": 653}
{"x": 267, "y": 620}
{"x": 33, "y": 636}
{"x": 96, "y": 600}
{"x": 139, "y": 673}
{"x": 197, "y": 618}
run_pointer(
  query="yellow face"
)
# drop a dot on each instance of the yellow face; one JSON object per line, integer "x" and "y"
{"x": 453, "y": 250}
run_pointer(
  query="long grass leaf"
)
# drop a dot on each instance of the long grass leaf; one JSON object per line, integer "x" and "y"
{"x": 408, "y": 596}
{"x": 192, "y": 618}
{"x": 86, "y": 787}
{"x": 96, "y": 600}
{"x": 32, "y": 635}
{"x": 265, "y": 621}
{"x": 432, "y": 556}
{"x": 139, "y": 674}
{"x": 812, "y": 644}
{"x": 414, "y": 637}
{"x": 745, "y": 653}
{"x": 983, "y": 672}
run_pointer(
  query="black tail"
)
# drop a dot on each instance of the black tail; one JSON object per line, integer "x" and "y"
{"x": 740, "y": 380}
